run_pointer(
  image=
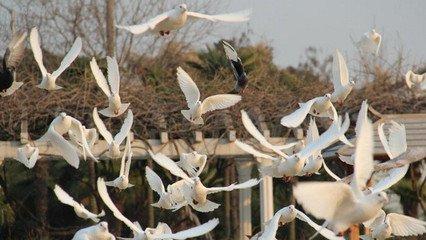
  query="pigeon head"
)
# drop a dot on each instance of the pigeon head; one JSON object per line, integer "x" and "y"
{"x": 382, "y": 198}
{"x": 62, "y": 115}
{"x": 328, "y": 95}
{"x": 387, "y": 224}
{"x": 182, "y": 7}
{"x": 103, "y": 226}
{"x": 115, "y": 104}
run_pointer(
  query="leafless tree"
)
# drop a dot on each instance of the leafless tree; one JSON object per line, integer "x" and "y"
{"x": 61, "y": 21}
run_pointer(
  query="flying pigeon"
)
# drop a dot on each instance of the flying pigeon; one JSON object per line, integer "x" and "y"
{"x": 385, "y": 226}
{"x": 194, "y": 191}
{"x": 162, "y": 231}
{"x": 370, "y": 42}
{"x": 315, "y": 161}
{"x": 237, "y": 67}
{"x": 172, "y": 198}
{"x": 196, "y": 107}
{"x": 341, "y": 82}
{"x": 286, "y": 215}
{"x": 98, "y": 232}
{"x": 318, "y": 107}
{"x": 178, "y": 16}
{"x": 416, "y": 80}
{"x": 114, "y": 142}
{"x": 79, "y": 209}
{"x": 122, "y": 181}
{"x": 27, "y": 155}
{"x": 48, "y": 81}
{"x": 193, "y": 163}
{"x": 340, "y": 204}
{"x": 12, "y": 58}
{"x": 61, "y": 125}
{"x": 111, "y": 88}
{"x": 251, "y": 128}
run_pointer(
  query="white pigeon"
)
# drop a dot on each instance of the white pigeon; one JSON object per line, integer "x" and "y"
{"x": 79, "y": 209}
{"x": 393, "y": 224}
{"x": 340, "y": 204}
{"x": 113, "y": 142}
{"x": 293, "y": 165}
{"x": 394, "y": 146}
{"x": 122, "y": 181}
{"x": 178, "y": 16}
{"x": 315, "y": 161}
{"x": 27, "y": 155}
{"x": 170, "y": 199}
{"x": 251, "y": 128}
{"x": 98, "y": 232}
{"x": 61, "y": 125}
{"x": 273, "y": 166}
{"x": 193, "y": 163}
{"x": 336, "y": 132}
{"x": 196, "y": 107}
{"x": 90, "y": 134}
{"x": 370, "y": 42}
{"x": 286, "y": 215}
{"x": 318, "y": 107}
{"x": 416, "y": 80}
{"x": 397, "y": 142}
{"x": 48, "y": 81}
{"x": 189, "y": 233}
{"x": 341, "y": 82}
{"x": 152, "y": 234}
{"x": 111, "y": 88}
{"x": 194, "y": 191}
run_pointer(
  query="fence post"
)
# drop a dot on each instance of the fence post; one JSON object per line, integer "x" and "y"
{"x": 24, "y": 136}
{"x": 41, "y": 196}
{"x": 232, "y": 136}
{"x": 266, "y": 187}
{"x": 244, "y": 168}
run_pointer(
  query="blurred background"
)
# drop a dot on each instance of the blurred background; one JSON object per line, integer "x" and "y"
{"x": 286, "y": 48}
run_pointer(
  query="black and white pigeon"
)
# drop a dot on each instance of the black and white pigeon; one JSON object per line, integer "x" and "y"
{"x": 237, "y": 66}
{"x": 12, "y": 58}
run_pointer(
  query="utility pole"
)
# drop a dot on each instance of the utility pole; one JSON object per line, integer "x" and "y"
{"x": 110, "y": 28}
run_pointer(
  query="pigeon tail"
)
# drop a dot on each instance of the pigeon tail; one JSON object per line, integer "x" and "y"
{"x": 107, "y": 112}
{"x": 186, "y": 114}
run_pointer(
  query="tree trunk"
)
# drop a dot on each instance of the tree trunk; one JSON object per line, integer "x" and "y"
{"x": 110, "y": 28}
{"x": 292, "y": 225}
{"x": 234, "y": 203}
{"x": 150, "y": 199}
{"x": 92, "y": 180}
{"x": 227, "y": 181}
{"x": 41, "y": 196}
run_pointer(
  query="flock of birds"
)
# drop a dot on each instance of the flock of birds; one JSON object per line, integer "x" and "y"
{"x": 341, "y": 203}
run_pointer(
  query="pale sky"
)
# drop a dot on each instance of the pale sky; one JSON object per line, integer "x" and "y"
{"x": 293, "y": 25}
